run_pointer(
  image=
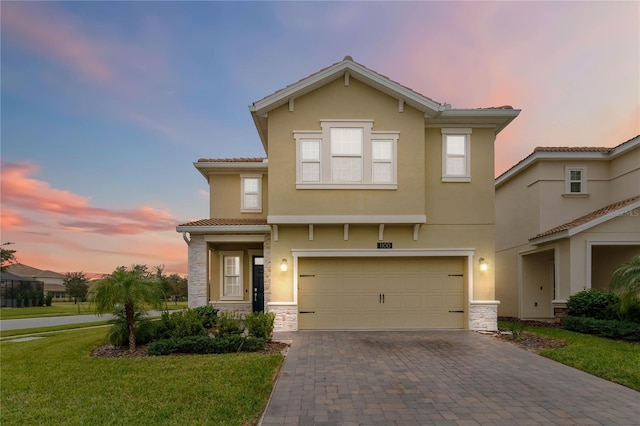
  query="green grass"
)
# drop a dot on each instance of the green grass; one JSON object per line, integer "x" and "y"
{"x": 39, "y": 330}
{"x": 613, "y": 360}
{"x": 59, "y": 309}
{"x": 55, "y": 381}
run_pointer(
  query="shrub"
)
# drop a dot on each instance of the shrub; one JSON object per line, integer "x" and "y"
{"x": 118, "y": 334}
{"x": 260, "y": 324}
{"x": 229, "y": 323}
{"x": 593, "y": 304}
{"x": 517, "y": 327}
{"x": 604, "y": 328}
{"x": 208, "y": 314}
{"x": 181, "y": 324}
{"x": 206, "y": 345}
{"x": 48, "y": 298}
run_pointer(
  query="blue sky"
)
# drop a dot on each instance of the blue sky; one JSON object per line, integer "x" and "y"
{"x": 106, "y": 105}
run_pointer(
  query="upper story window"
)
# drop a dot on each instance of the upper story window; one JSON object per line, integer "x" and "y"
{"x": 575, "y": 180}
{"x": 346, "y": 155}
{"x": 251, "y": 193}
{"x": 456, "y": 158}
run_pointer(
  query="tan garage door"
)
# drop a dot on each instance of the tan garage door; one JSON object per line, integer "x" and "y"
{"x": 380, "y": 293}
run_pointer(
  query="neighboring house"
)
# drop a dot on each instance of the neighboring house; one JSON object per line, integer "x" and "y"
{"x": 53, "y": 281}
{"x": 374, "y": 210}
{"x": 565, "y": 219}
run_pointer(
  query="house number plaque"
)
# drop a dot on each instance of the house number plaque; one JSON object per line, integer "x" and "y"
{"x": 384, "y": 245}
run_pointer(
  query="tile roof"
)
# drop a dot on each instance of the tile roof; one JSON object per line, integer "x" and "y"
{"x": 232, "y": 160}
{"x": 225, "y": 222}
{"x": 572, "y": 149}
{"x": 29, "y": 271}
{"x": 605, "y": 211}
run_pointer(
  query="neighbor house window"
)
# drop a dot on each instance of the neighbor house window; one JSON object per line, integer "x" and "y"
{"x": 456, "y": 158}
{"x": 346, "y": 154}
{"x": 575, "y": 180}
{"x": 251, "y": 194}
{"x": 231, "y": 279}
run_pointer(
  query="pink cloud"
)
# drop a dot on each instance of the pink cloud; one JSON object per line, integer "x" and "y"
{"x": 73, "y": 212}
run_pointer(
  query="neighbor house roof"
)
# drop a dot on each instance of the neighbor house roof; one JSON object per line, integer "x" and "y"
{"x": 589, "y": 220}
{"x": 555, "y": 153}
{"x": 436, "y": 114}
{"x": 31, "y": 272}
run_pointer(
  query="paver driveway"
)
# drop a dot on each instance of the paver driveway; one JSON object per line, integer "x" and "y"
{"x": 436, "y": 377}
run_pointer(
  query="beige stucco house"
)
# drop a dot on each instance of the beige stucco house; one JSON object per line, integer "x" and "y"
{"x": 373, "y": 209}
{"x": 565, "y": 219}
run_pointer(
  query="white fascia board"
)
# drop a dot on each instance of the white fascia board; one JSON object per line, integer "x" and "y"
{"x": 578, "y": 229}
{"x": 342, "y": 219}
{"x": 355, "y": 70}
{"x": 497, "y": 117}
{"x": 437, "y": 252}
{"x": 211, "y": 166}
{"x": 230, "y": 229}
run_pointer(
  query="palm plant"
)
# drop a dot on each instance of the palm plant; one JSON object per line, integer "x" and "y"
{"x": 129, "y": 289}
{"x": 625, "y": 281}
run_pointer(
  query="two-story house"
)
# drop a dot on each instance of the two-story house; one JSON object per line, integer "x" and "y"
{"x": 566, "y": 217}
{"x": 373, "y": 209}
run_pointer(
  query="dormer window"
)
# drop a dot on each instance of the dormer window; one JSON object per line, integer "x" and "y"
{"x": 346, "y": 154}
{"x": 575, "y": 180}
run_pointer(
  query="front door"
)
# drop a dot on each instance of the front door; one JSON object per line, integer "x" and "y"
{"x": 258, "y": 283}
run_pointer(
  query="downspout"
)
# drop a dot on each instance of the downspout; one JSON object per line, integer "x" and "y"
{"x": 185, "y": 238}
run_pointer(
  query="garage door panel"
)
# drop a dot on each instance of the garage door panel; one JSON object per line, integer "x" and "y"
{"x": 345, "y": 293}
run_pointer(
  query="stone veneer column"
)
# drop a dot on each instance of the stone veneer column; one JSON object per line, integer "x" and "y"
{"x": 483, "y": 315}
{"x": 197, "y": 282}
{"x": 266, "y": 253}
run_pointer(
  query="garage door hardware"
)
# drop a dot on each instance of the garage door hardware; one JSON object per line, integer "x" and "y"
{"x": 456, "y": 275}
{"x": 307, "y": 312}
{"x": 381, "y": 298}
{"x": 459, "y": 312}
{"x": 303, "y": 276}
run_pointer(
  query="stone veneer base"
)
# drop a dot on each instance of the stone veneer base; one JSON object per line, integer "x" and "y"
{"x": 483, "y": 315}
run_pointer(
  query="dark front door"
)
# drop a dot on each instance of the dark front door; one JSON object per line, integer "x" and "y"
{"x": 258, "y": 283}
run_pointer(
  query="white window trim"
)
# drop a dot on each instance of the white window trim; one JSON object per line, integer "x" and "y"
{"x": 567, "y": 180}
{"x": 224, "y": 254}
{"x": 324, "y": 136}
{"x": 466, "y": 132}
{"x": 244, "y": 209}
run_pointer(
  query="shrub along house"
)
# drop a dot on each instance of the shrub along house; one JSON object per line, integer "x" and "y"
{"x": 373, "y": 209}
{"x": 566, "y": 218}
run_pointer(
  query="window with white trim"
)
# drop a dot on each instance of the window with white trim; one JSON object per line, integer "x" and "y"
{"x": 251, "y": 193}
{"x": 456, "y": 156}
{"x": 346, "y": 154}
{"x": 231, "y": 275}
{"x": 575, "y": 180}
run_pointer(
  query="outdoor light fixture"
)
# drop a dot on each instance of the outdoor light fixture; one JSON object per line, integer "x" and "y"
{"x": 283, "y": 265}
{"x": 483, "y": 264}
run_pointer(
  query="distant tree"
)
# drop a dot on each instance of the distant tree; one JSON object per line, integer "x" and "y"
{"x": 77, "y": 286}
{"x": 625, "y": 281}
{"x": 7, "y": 257}
{"x": 174, "y": 286}
{"x": 130, "y": 289}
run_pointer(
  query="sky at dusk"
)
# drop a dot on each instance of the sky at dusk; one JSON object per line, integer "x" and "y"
{"x": 106, "y": 105}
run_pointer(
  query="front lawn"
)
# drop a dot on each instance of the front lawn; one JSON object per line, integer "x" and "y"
{"x": 60, "y": 309}
{"x": 613, "y": 360}
{"x": 54, "y": 380}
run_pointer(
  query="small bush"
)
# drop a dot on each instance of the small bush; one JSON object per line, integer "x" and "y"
{"x": 593, "y": 304}
{"x": 118, "y": 334}
{"x": 181, "y": 324}
{"x": 229, "y": 323}
{"x": 260, "y": 324}
{"x": 517, "y": 327}
{"x": 208, "y": 314}
{"x": 604, "y": 328}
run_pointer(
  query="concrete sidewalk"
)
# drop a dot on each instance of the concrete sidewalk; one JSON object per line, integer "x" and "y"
{"x": 436, "y": 377}
{"x": 19, "y": 324}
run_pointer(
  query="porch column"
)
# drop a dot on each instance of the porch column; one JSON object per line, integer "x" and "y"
{"x": 197, "y": 281}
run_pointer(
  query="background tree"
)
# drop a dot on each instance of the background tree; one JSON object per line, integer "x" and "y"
{"x": 174, "y": 286}
{"x": 131, "y": 289}
{"x": 77, "y": 286}
{"x": 625, "y": 281}
{"x": 7, "y": 257}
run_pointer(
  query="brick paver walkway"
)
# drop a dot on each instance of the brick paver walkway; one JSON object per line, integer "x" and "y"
{"x": 439, "y": 378}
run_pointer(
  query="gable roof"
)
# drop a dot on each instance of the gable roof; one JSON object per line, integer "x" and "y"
{"x": 567, "y": 153}
{"x": 435, "y": 113}
{"x": 589, "y": 220}
{"x": 31, "y": 272}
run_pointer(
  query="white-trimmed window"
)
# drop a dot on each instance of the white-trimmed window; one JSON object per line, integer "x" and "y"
{"x": 456, "y": 156}
{"x": 231, "y": 275}
{"x": 251, "y": 193}
{"x": 346, "y": 154}
{"x": 575, "y": 180}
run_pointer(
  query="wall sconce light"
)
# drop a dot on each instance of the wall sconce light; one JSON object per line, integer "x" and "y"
{"x": 483, "y": 264}
{"x": 283, "y": 265}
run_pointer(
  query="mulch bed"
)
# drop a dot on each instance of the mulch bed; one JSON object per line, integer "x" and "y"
{"x": 110, "y": 351}
{"x": 529, "y": 341}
